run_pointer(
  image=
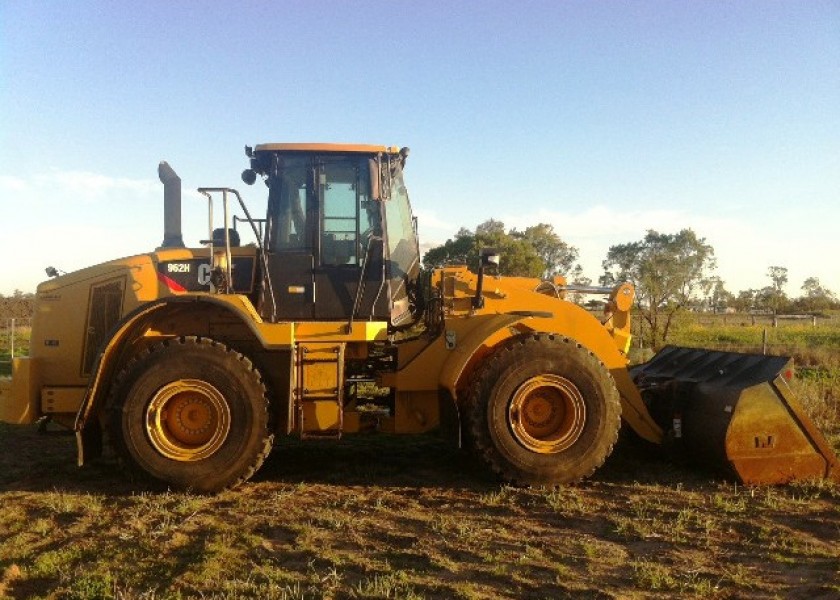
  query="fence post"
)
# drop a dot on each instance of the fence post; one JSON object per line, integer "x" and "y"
{"x": 764, "y": 342}
{"x": 12, "y": 344}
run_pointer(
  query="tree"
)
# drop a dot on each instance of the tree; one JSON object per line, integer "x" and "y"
{"x": 518, "y": 256}
{"x": 774, "y": 296}
{"x": 815, "y": 297}
{"x": 536, "y": 252}
{"x": 454, "y": 251}
{"x": 669, "y": 271}
{"x": 779, "y": 277}
{"x": 745, "y": 301}
{"x": 578, "y": 278}
{"x": 719, "y": 297}
{"x": 767, "y": 299}
{"x": 557, "y": 256}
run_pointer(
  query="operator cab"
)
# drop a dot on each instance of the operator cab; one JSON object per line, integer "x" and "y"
{"x": 340, "y": 239}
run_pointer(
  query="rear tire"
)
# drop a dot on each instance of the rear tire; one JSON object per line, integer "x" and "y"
{"x": 191, "y": 413}
{"x": 543, "y": 410}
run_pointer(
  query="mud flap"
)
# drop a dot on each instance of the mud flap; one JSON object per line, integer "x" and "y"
{"x": 735, "y": 411}
{"x": 88, "y": 443}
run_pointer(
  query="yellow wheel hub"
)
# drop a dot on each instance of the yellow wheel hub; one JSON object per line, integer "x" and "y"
{"x": 187, "y": 420}
{"x": 547, "y": 414}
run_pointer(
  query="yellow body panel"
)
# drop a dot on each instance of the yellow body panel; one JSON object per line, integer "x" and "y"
{"x": 61, "y": 399}
{"x": 19, "y": 397}
{"x": 414, "y": 412}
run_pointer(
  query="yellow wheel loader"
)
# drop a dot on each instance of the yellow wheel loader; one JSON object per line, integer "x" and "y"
{"x": 190, "y": 361}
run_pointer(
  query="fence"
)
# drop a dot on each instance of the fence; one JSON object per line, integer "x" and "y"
{"x": 810, "y": 340}
{"x": 768, "y": 320}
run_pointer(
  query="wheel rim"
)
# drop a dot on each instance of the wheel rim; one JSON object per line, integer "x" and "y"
{"x": 187, "y": 420}
{"x": 547, "y": 414}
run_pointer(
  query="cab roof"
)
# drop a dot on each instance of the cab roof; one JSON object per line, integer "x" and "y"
{"x": 318, "y": 147}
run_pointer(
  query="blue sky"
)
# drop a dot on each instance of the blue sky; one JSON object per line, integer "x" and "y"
{"x": 603, "y": 119}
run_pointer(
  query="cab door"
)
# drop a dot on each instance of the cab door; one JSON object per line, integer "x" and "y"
{"x": 290, "y": 241}
{"x": 349, "y": 249}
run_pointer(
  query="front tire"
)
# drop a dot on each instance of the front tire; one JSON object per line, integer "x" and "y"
{"x": 192, "y": 413}
{"x": 543, "y": 410}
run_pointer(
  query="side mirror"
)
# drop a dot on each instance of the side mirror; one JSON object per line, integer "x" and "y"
{"x": 488, "y": 257}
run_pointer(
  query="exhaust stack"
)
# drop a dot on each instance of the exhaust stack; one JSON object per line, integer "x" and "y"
{"x": 172, "y": 237}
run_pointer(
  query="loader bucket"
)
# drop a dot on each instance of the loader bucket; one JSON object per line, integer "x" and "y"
{"x": 735, "y": 411}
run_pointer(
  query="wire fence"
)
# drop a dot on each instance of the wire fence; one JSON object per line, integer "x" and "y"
{"x": 811, "y": 340}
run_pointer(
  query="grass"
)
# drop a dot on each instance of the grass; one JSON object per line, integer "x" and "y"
{"x": 379, "y": 517}
{"x": 812, "y": 346}
{"x": 428, "y": 524}
{"x": 22, "y": 333}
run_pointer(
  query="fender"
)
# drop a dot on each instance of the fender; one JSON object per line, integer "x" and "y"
{"x": 487, "y": 335}
{"x": 88, "y": 436}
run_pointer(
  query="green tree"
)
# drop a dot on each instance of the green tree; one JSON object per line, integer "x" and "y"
{"x": 745, "y": 301}
{"x": 578, "y": 278}
{"x": 558, "y": 257}
{"x": 536, "y": 252}
{"x": 669, "y": 271}
{"x": 518, "y": 256}
{"x": 774, "y": 297}
{"x": 815, "y": 296}
{"x": 457, "y": 250}
{"x": 719, "y": 297}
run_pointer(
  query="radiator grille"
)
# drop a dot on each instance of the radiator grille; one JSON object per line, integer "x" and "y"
{"x": 104, "y": 311}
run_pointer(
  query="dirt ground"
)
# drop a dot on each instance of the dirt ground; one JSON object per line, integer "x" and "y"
{"x": 406, "y": 518}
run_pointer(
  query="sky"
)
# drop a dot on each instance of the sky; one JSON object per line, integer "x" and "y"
{"x": 604, "y": 119}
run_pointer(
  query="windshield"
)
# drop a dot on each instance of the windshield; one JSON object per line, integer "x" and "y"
{"x": 402, "y": 239}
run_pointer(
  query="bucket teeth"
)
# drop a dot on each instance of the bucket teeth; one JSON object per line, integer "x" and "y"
{"x": 735, "y": 411}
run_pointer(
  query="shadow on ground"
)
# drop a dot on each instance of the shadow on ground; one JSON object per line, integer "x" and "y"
{"x": 33, "y": 461}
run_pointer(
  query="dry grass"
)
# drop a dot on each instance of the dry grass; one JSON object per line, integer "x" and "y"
{"x": 398, "y": 518}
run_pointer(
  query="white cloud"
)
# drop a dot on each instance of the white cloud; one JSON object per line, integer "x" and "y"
{"x": 428, "y": 219}
{"x": 80, "y": 186}
{"x": 73, "y": 219}
{"x": 10, "y": 184}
